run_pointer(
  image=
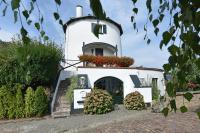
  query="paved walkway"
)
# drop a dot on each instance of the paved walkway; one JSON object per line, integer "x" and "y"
{"x": 118, "y": 121}
{"x": 154, "y": 123}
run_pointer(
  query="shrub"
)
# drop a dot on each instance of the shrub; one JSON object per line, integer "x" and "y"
{"x": 4, "y": 104}
{"x": 31, "y": 64}
{"x": 11, "y": 105}
{"x": 19, "y": 103}
{"x": 98, "y": 102}
{"x": 29, "y": 102}
{"x": 70, "y": 90}
{"x": 155, "y": 92}
{"x": 41, "y": 102}
{"x": 134, "y": 101}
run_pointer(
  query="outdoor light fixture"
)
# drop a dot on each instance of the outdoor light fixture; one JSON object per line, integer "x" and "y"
{"x": 82, "y": 81}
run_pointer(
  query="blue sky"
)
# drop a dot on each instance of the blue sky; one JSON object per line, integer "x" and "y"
{"x": 120, "y": 11}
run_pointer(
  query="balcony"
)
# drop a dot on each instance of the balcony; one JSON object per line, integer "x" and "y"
{"x": 99, "y": 49}
{"x": 105, "y": 61}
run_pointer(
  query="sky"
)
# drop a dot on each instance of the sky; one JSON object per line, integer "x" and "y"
{"x": 133, "y": 44}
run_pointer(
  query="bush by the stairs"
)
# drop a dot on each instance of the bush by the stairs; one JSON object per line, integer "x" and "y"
{"x": 29, "y": 102}
{"x": 134, "y": 101}
{"x": 98, "y": 102}
{"x": 70, "y": 90}
{"x": 19, "y": 103}
{"x": 41, "y": 102}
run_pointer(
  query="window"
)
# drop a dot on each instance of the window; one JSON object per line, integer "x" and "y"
{"x": 102, "y": 28}
{"x": 98, "y": 51}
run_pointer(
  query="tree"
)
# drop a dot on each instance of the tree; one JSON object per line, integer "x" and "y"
{"x": 184, "y": 25}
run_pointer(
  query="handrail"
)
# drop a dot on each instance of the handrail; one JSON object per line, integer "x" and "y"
{"x": 57, "y": 82}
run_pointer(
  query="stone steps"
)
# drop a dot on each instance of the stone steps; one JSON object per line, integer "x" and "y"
{"x": 62, "y": 107}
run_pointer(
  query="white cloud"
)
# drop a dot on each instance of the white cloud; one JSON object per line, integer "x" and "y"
{"x": 5, "y": 35}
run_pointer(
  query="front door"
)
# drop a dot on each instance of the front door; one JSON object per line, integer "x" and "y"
{"x": 114, "y": 86}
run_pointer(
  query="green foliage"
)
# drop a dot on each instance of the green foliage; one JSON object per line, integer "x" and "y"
{"x": 29, "y": 102}
{"x": 30, "y": 64}
{"x": 40, "y": 102}
{"x": 19, "y": 103}
{"x": 155, "y": 92}
{"x": 4, "y": 102}
{"x": 70, "y": 90}
{"x": 7, "y": 104}
{"x": 98, "y": 102}
{"x": 134, "y": 101}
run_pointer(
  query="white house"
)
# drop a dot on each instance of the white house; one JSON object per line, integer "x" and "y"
{"x": 80, "y": 40}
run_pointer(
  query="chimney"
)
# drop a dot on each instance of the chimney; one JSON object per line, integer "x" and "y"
{"x": 79, "y": 11}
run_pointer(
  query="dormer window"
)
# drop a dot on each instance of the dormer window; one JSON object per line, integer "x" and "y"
{"x": 102, "y": 28}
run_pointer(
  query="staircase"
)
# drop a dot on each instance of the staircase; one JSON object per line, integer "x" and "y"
{"x": 62, "y": 106}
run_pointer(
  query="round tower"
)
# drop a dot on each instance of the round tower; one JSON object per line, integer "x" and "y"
{"x": 80, "y": 38}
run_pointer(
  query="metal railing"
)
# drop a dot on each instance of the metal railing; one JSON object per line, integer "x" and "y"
{"x": 57, "y": 82}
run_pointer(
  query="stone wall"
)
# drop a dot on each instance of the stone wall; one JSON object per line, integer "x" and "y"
{"x": 192, "y": 105}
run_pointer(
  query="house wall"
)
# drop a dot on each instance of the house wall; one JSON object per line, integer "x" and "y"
{"x": 81, "y": 31}
{"x": 124, "y": 75}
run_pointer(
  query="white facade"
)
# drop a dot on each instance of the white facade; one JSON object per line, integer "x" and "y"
{"x": 81, "y": 40}
{"x": 124, "y": 75}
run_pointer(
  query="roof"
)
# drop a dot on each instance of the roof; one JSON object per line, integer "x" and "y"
{"x": 93, "y": 17}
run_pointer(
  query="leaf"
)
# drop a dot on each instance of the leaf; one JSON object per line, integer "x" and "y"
{"x": 134, "y": 1}
{"x": 32, "y": 7}
{"x": 58, "y": 2}
{"x": 165, "y": 111}
{"x": 29, "y": 22}
{"x": 166, "y": 37}
{"x": 97, "y": 9}
{"x": 134, "y": 25}
{"x": 15, "y": 4}
{"x": 96, "y": 30}
{"x": 25, "y": 13}
{"x": 183, "y": 109}
{"x": 148, "y": 41}
{"x": 4, "y": 10}
{"x": 15, "y": 16}
{"x": 23, "y": 31}
{"x": 173, "y": 105}
{"x": 46, "y": 38}
{"x": 156, "y": 31}
{"x": 161, "y": 17}
{"x": 188, "y": 96}
{"x": 41, "y": 19}
{"x": 61, "y": 22}
{"x": 148, "y": 4}
{"x": 167, "y": 67}
{"x": 155, "y": 22}
{"x": 42, "y": 33}
{"x": 151, "y": 17}
{"x": 56, "y": 15}
{"x": 173, "y": 49}
{"x": 37, "y": 26}
{"x": 198, "y": 114}
{"x": 132, "y": 18}
{"x": 170, "y": 89}
{"x": 135, "y": 10}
